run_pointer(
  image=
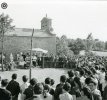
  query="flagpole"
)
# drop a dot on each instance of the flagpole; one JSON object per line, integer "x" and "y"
{"x": 30, "y": 71}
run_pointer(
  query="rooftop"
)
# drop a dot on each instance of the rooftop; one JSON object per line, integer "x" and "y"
{"x": 28, "y": 32}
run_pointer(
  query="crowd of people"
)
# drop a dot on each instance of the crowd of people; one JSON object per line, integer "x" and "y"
{"x": 55, "y": 61}
{"x": 86, "y": 80}
{"x": 22, "y": 60}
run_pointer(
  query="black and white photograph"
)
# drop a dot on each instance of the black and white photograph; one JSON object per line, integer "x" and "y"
{"x": 53, "y": 50}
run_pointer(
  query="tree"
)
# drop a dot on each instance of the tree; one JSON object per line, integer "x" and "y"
{"x": 5, "y": 26}
{"x": 98, "y": 45}
{"x": 89, "y": 42}
{"x": 106, "y": 45}
{"x": 62, "y": 46}
{"x": 77, "y": 45}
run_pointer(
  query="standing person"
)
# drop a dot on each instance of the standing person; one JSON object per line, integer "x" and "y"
{"x": 105, "y": 89}
{"x": 76, "y": 90}
{"x": 53, "y": 84}
{"x": 34, "y": 60}
{"x": 46, "y": 95}
{"x": 65, "y": 95}
{"x": 38, "y": 90}
{"x": 101, "y": 79}
{"x": 0, "y": 80}
{"x": 71, "y": 78}
{"x": 24, "y": 85}
{"x": 59, "y": 87}
{"x": 96, "y": 94}
{"x": 4, "y": 93}
{"x": 14, "y": 87}
{"x": 82, "y": 78}
{"x": 48, "y": 82}
{"x": 28, "y": 93}
{"x": 85, "y": 91}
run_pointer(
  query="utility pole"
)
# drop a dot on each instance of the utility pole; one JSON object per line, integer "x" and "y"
{"x": 30, "y": 71}
{"x": 2, "y": 51}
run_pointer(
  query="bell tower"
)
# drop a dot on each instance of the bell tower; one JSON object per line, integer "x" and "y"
{"x": 46, "y": 23}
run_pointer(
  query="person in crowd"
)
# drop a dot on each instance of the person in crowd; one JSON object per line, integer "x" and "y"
{"x": 65, "y": 95}
{"x": 89, "y": 73}
{"x": 24, "y": 56}
{"x": 24, "y": 85}
{"x": 21, "y": 61}
{"x": 0, "y": 80}
{"x": 86, "y": 92}
{"x": 48, "y": 82}
{"x": 46, "y": 95}
{"x": 27, "y": 60}
{"x": 95, "y": 75}
{"x": 71, "y": 78}
{"x": 38, "y": 90}
{"x": 82, "y": 78}
{"x": 97, "y": 69}
{"x": 59, "y": 87}
{"x": 101, "y": 79}
{"x": 105, "y": 89}
{"x": 14, "y": 87}
{"x": 96, "y": 94}
{"x": 4, "y": 93}
{"x": 85, "y": 95}
{"x": 61, "y": 62}
{"x": 34, "y": 60}
{"x": 39, "y": 61}
{"x": 76, "y": 90}
{"x": 77, "y": 74}
{"x": 28, "y": 93}
{"x": 53, "y": 84}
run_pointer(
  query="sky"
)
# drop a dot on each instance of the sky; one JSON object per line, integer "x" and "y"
{"x": 73, "y": 18}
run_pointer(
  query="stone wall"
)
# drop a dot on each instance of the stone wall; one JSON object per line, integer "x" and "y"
{"x": 16, "y": 44}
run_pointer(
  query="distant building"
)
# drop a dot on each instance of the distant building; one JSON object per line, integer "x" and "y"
{"x": 19, "y": 39}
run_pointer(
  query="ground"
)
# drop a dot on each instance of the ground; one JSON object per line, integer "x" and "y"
{"x": 38, "y": 73}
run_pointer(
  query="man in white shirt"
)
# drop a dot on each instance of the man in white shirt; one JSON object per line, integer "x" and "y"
{"x": 25, "y": 83}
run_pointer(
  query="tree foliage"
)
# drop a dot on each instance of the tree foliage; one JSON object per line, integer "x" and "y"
{"x": 65, "y": 45}
{"x": 5, "y": 26}
{"x": 98, "y": 45}
{"x": 106, "y": 45}
{"x": 77, "y": 45}
{"x": 62, "y": 47}
{"x": 5, "y": 23}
